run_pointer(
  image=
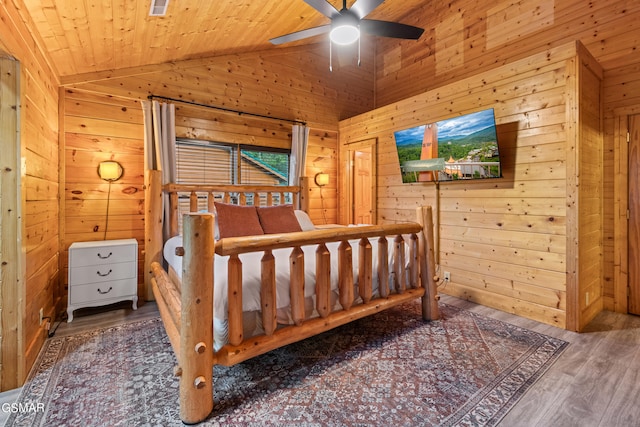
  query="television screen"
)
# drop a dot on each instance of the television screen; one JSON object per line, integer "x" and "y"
{"x": 460, "y": 148}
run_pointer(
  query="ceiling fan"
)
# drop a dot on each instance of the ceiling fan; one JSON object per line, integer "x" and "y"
{"x": 346, "y": 24}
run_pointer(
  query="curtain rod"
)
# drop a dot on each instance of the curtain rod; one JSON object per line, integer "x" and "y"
{"x": 227, "y": 110}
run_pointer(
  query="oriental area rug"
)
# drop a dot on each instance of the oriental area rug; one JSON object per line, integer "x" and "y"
{"x": 391, "y": 368}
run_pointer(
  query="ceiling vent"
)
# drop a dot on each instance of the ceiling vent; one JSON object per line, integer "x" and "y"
{"x": 158, "y": 7}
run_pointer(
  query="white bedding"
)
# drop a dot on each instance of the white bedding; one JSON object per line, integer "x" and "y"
{"x": 251, "y": 273}
{"x": 251, "y": 283}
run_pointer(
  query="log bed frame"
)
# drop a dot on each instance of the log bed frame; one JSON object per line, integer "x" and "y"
{"x": 186, "y": 306}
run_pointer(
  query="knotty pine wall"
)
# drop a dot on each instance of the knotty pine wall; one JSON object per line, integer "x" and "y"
{"x": 213, "y": 125}
{"x": 95, "y": 128}
{"x": 101, "y": 127}
{"x": 102, "y": 120}
{"x": 291, "y": 83}
{"x": 21, "y": 335}
{"x": 464, "y": 37}
{"x": 515, "y": 243}
{"x": 621, "y": 100}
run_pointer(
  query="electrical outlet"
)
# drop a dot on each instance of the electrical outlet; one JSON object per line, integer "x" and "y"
{"x": 447, "y": 276}
{"x": 41, "y": 315}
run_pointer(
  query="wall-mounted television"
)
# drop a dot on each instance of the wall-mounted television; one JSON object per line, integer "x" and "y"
{"x": 456, "y": 149}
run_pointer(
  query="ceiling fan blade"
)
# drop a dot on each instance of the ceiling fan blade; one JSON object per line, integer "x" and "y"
{"x": 324, "y": 7}
{"x": 390, "y": 29}
{"x": 364, "y": 7}
{"x": 303, "y": 34}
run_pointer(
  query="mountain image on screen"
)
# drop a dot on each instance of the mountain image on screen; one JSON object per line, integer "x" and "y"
{"x": 460, "y": 148}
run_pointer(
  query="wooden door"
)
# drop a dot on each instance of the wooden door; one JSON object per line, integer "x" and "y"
{"x": 358, "y": 186}
{"x": 633, "y": 235}
{"x": 362, "y": 186}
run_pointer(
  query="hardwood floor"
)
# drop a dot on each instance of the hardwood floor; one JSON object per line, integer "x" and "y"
{"x": 596, "y": 381}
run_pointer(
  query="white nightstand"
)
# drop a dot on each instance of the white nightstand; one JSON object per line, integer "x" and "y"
{"x": 101, "y": 273}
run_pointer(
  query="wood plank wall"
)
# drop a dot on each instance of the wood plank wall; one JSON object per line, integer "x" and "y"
{"x": 103, "y": 120}
{"x": 322, "y": 156}
{"x": 584, "y": 190}
{"x": 23, "y": 336}
{"x": 293, "y": 83}
{"x": 464, "y": 37}
{"x": 621, "y": 100}
{"x": 96, "y": 128}
{"x": 213, "y": 125}
{"x": 504, "y": 241}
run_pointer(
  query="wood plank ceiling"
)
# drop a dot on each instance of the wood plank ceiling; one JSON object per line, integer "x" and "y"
{"x": 88, "y": 36}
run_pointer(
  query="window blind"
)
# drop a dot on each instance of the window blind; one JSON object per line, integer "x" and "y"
{"x": 211, "y": 163}
{"x": 204, "y": 163}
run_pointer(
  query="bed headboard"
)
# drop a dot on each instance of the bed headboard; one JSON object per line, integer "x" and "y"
{"x": 201, "y": 198}
{"x": 194, "y": 198}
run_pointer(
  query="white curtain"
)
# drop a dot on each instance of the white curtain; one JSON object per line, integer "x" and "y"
{"x": 160, "y": 144}
{"x": 299, "y": 141}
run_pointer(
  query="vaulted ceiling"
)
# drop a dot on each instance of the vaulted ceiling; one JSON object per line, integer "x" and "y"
{"x": 88, "y": 36}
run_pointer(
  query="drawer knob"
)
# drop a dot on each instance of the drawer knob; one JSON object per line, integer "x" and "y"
{"x": 104, "y": 256}
{"x": 105, "y": 292}
{"x": 104, "y": 274}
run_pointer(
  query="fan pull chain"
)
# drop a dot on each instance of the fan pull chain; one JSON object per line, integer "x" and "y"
{"x": 359, "y": 38}
{"x": 330, "y": 59}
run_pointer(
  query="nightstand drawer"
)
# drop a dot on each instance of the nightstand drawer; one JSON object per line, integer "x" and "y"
{"x": 102, "y": 255}
{"x": 102, "y": 273}
{"x": 97, "y": 292}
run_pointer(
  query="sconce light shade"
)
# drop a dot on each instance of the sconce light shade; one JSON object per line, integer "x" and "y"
{"x": 321, "y": 179}
{"x": 110, "y": 170}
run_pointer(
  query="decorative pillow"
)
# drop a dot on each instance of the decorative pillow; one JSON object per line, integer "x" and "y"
{"x": 303, "y": 219}
{"x": 278, "y": 219}
{"x": 237, "y": 221}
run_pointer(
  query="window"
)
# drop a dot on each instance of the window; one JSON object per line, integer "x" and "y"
{"x": 262, "y": 167}
{"x": 213, "y": 163}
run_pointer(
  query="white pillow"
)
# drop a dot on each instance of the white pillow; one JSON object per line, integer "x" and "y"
{"x": 216, "y": 230}
{"x": 304, "y": 220}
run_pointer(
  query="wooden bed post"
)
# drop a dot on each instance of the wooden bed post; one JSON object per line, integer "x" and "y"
{"x": 304, "y": 194}
{"x": 196, "y": 328}
{"x": 428, "y": 265}
{"x": 152, "y": 226}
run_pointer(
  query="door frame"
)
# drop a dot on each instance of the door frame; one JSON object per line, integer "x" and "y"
{"x": 624, "y": 291}
{"x": 346, "y": 199}
{"x": 12, "y": 274}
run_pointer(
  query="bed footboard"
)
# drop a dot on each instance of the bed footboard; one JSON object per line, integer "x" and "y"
{"x": 187, "y": 311}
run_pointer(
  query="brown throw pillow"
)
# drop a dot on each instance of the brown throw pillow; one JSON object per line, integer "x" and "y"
{"x": 278, "y": 219}
{"x": 237, "y": 221}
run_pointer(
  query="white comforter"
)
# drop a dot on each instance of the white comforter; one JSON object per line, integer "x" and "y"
{"x": 251, "y": 273}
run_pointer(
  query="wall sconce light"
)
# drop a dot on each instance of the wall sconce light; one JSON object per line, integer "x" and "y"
{"x": 110, "y": 171}
{"x": 321, "y": 179}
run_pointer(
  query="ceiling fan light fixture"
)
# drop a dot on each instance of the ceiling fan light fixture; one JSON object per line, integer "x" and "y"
{"x": 344, "y": 34}
{"x": 345, "y": 28}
